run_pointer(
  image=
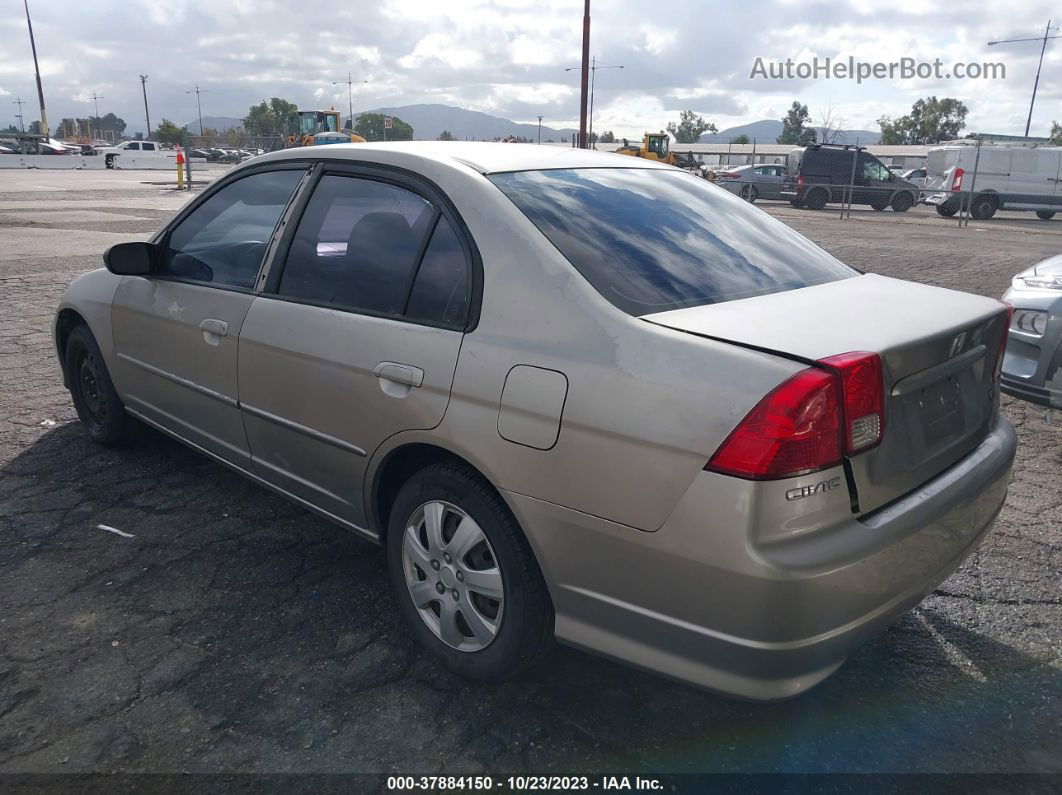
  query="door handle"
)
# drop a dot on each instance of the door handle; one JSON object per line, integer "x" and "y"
{"x": 405, "y": 374}
{"x": 217, "y": 327}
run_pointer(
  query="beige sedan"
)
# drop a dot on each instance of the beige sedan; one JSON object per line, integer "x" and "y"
{"x": 577, "y": 396}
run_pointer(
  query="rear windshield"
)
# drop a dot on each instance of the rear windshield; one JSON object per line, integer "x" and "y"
{"x": 652, "y": 240}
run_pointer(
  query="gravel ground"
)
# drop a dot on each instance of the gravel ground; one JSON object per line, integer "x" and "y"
{"x": 237, "y": 632}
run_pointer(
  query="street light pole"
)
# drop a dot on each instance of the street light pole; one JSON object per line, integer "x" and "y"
{"x": 594, "y": 66}
{"x": 37, "y": 71}
{"x": 350, "y": 95}
{"x": 147, "y": 116}
{"x": 96, "y": 101}
{"x": 20, "y": 102}
{"x": 1047, "y": 35}
{"x": 197, "y": 91}
{"x": 539, "y": 130}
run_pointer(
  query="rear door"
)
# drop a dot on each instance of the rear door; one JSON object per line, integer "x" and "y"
{"x": 356, "y": 338}
{"x": 175, "y": 332}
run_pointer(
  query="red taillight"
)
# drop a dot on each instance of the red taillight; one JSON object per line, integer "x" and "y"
{"x": 800, "y": 181}
{"x": 795, "y": 429}
{"x": 809, "y": 422}
{"x": 863, "y": 385}
{"x": 729, "y": 175}
{"x": 956, "y": 179}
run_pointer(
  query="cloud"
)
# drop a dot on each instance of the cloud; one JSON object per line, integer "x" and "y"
{"x": 507, "y": 57}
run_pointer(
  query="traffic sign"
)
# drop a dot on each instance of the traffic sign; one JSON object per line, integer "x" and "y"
{"x": 387, "y": 122}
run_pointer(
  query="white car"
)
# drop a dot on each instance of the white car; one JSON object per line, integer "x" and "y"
{"x": 131, "y": 149}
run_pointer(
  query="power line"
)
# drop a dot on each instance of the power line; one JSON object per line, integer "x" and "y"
{"x": 350, "y": 95}
{"x": 1045, "y": 38}
{"x": 96, "y": 100}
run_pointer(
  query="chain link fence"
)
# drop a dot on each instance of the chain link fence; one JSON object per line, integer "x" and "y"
{"x": 963, "y": 184}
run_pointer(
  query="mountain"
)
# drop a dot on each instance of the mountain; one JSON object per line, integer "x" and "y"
{"x": 219, "y": 123}
{"x": 428, "y": 121}
{"x": 768, "y": 130}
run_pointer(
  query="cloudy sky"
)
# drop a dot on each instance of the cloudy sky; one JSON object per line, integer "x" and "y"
{"x": 507, "y": 58}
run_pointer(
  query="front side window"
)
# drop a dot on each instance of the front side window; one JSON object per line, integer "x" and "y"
{"x": 651, "y": 240}
{"x": 133, "y": 146}
{"x": 224, "y": 239}
{"x": 872, "y": 169}
{"x": 356, "y": 245}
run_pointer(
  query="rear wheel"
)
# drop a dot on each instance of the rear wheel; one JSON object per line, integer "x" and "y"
{"x": 984, "y": 207}
{"x": 947, "y": 209}
{"x": 816, "y": 199}
{"x": 879, "y": 205}
{"x": 465, "y": 578}
{"x": 97, "y": 403}
{"x": 796, "y": 203}
{"x": 749, "y": 193}
{"x": 902, "y": 202}
{"x": 1045, "y": 215}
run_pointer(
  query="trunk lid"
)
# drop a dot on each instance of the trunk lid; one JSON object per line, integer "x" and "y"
{"x": 939, "y": 350}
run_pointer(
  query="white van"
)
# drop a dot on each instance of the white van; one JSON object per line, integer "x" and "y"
{"x": 1001, "y": 178}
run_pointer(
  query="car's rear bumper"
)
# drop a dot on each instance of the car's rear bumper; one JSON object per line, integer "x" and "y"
{"x": 702, "y": 601}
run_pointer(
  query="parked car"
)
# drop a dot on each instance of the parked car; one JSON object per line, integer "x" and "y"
{"x": 916, "y": 176}
{"x": 573, "y": 395}
{"x": 991, "y": 178}
{"x": 820, "y": 174}
{"x": 1032, "y": 369}
{"x": 112, "y": 154}
{"x": 751, "y": 182}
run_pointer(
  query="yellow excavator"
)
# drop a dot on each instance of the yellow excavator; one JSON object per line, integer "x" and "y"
{"x": 309, "y": 127}
{"x": 655, "y": 147}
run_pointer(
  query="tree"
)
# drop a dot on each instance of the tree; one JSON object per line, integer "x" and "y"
{"x": 930, "y": 121}
{"x": 169, "y": 133}
{"x": 831, "y": 127}
{"x": 607, "y": 137}
{"x": 108, "y": 122}
{"x": 794, "y": 127}
{"x": 1056, "y": 134}
{"x": 446, "y": 135}
{"x": 739, "y": 139}
{"x": 370, "y": 126}
{"x": 690, "y": 127}
{"x": 269, "y": 118}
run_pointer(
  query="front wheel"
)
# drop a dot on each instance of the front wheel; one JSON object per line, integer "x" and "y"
{"x": 749, "y": 193}
{"x": 465, "y": 578}
{"x": 97, "y": 403}
{"x": 110, "y": 162}
{"x": 902, "y": 202}
{"x": 1045, "y": 215}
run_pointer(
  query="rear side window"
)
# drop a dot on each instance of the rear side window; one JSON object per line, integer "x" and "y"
{"x": 378, "y": 248}
{"x": 653, "y": 240}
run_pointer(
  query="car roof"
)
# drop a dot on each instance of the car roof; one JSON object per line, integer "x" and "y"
{"x": 484, "y": 157}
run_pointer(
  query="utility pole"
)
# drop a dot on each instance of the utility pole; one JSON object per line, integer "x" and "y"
{"x": 350, "y": 95}
{"x": 197, "y": 91}
{"x": 585, "y": 75}
{"x": 594, "y": 66}
{"x": 37, "y": 71}
{"x": 20, "y": 102}
{"x": 539, "y": 130}
{"x": 96, "y": 100}
{"x": 1045, "y": 38}
{"x": 147, "y": 116}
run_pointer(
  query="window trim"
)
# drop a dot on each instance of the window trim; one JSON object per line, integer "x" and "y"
{"x": 162, "y": 237}
{"x": 406, "y": 180}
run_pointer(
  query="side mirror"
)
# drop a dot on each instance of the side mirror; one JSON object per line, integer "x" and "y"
{"x": 130, "y": 259}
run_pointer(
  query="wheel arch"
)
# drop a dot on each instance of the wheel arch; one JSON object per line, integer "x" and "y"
{"x": 397, "y": 465}
{"x": 66, "y": 321}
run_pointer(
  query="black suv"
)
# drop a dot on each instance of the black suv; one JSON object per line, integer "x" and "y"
{"x": 819, "y": 174}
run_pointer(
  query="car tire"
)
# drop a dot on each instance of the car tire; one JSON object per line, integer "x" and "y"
{"x": 984, "y": 207}
{"x": 749, "y": 193}
{"x": 902, "y": 202}
{"x": 109, "y": 162}
{"x": 816, "y": 199}
{"x": 879, "y": 206}
{"x": 796, "y": 203}
{"x": 946, "y": 210}
{"x": 1045, "y": 215}
{"x": 98, "y": 406}
{"x": 473, "y": 634}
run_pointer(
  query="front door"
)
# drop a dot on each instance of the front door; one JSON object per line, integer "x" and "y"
{"x": 355, "y": 340}
{"x": 176, "y": 332}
